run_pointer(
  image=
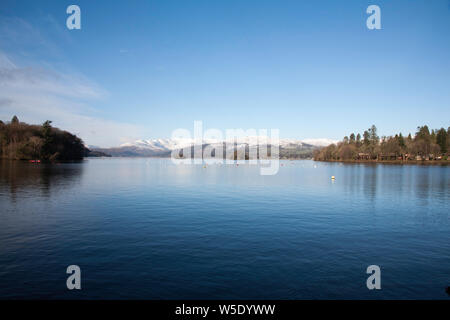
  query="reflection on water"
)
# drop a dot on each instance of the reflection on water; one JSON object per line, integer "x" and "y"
{"x": 146, "y": 228}
{"x": 21, "y": 177}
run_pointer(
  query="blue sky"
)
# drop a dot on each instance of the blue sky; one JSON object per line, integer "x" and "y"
{"x": 140, "y": 69}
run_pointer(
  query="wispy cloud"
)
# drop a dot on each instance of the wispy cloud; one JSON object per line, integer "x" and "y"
{"x": 38, "y": 94}
{"x": 36, "y": 90}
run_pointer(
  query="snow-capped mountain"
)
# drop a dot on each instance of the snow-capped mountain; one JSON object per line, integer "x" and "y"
{"x": 174, "y": 143}
{"x": 320, "y": 142}
{"x": 164, "y": 147}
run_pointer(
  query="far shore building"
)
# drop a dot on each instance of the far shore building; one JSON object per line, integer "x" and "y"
{"x": 363, "y": 156}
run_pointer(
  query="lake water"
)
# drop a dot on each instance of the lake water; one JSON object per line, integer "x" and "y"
{"x": 148, "y": 229}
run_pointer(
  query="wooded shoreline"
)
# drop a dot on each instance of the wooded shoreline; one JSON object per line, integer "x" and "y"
{"x": 22, "y": 141}
{"x": 424, "y": 148}
{"x": 395, "y": 162}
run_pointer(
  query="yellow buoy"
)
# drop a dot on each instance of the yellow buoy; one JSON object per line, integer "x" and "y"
{"x": 333, "y": 178}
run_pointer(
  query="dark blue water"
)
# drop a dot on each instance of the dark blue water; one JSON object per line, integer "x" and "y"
{"x": 147, "y": 229}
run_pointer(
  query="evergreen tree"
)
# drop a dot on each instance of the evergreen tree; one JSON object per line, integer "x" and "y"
{"x": 401, "y": 141}
{"x": 441, "y": 140}
{"x": 448, "y": 138}
{"x": 366, "y": 139}
{"x": 433, "y": 136}
{"x": 358, "y": 140}
{"x": 374, "y": 139}
{"x": 352, "y": 138}
{"x": 423, "y": 133}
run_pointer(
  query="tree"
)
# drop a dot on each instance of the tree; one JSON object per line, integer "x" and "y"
{"x": 15, "y": 120}
{"x": 347, "y": 152}
{"x": 448, "y": 138}
{"x": 352, "y": 138}
{"x": 401, "y": 141}
{"x": 427, "y": 145}
{"x": 390, "y": 146}
{"x": 47, "y": 139}
{"x": 441, "y": 140}
{"x": 423, "y": 141}
{"x": 24, "y": 141}
{"x": 423, "y": 133}
{"x": 433, "y": 136}
{"x": 345, "y": 139}
{"x": 374, "y": 139}
{"x": 358, "y": 140}
{"x": 35, "y": 147}
{"x": 366, "y": 136}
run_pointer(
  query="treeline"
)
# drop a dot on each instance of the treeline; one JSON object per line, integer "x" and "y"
{"x": 19, "y": 140}
{"x": 424, "y": 145}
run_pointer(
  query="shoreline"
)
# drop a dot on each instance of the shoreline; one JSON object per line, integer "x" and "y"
{"x": 392, "y": 162}
{"x": 397, "y": 162}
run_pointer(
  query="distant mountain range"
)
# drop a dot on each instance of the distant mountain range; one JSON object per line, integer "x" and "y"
{"x": 289, "y": 148}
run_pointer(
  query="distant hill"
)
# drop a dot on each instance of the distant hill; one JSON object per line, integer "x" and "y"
{"x": 95, "y": 153}
{"x": 133, "y": 151}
